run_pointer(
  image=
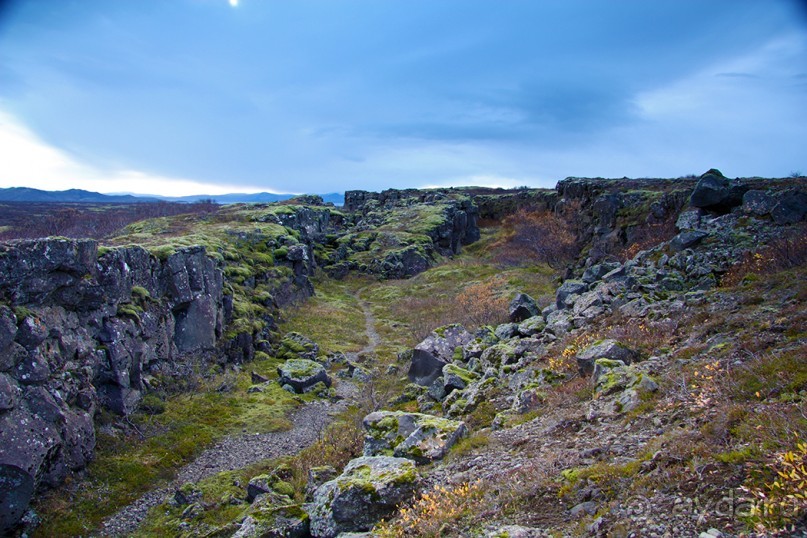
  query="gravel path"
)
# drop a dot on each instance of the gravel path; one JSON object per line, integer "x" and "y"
{"x": 235, "y": 452}
{"x": 373, "y": 338}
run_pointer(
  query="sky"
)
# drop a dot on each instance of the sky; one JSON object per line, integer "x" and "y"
{"x": 180, "y": 97}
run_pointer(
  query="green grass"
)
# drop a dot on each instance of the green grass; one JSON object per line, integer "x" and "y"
{"x": 332, "y": 318}
{"x": 127, "y": 466}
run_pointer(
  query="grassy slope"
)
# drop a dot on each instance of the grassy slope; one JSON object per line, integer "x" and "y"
{"x": 127, "y": 465}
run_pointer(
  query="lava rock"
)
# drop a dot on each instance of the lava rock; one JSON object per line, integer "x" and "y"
{"x": 369, "y": 489}
{"x": 792, "y": 208}
{"x": 302, "y": 374}
{"x": 16, "y": 489}
{"x": 421, "y": 438}
{"x": 716, "y": 193}
{"x": 425, "y": 368}
{"x": 567, "y": 291}
{"x": 607, "y": 349}
{"x": 523, "y": 307}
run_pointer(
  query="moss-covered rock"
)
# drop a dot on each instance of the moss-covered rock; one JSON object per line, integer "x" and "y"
{"x": 273, "y": 517}
{"x": 296, "y": 346}
{"x": 605, "y": 349}
{"x": 302, "y": 375}
{"x": 416, "y": 436}
{"x": 369, "y": 489}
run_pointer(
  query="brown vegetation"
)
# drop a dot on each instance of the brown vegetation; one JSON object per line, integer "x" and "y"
{"x": 538, "y": 236}
{"x": 24, "y": 220}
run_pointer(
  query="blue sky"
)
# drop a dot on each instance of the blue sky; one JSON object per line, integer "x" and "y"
{"x": 213, "y": 96}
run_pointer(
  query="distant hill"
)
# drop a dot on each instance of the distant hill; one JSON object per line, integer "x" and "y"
{"x": 24, "y": 194}
{"x": 249, "y": 198}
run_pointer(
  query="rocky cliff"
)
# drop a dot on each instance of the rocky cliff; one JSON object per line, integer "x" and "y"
{"x": 81, "y": 329}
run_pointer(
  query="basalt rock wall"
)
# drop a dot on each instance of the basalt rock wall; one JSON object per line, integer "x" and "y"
{"x": 80, "y": 329}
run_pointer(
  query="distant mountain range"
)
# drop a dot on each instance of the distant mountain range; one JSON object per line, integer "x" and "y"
{"x": 24, "y": 194}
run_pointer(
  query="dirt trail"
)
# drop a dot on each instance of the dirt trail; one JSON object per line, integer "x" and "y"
{"x": 373, "y": 338}
{"x": 237, "y": 451}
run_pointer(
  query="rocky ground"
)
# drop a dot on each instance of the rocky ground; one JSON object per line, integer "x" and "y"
{"x": 657, "y": 393}
{"x": 235, "y": 452}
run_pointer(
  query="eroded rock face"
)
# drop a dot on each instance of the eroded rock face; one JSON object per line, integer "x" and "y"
{"x": 369, "y": 489}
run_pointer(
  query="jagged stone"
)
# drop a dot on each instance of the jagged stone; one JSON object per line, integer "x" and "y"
{"x": 523, "y": 307}
{"x": 316, "y": 477}
{"x": 456, "y": 378}
{"x": 425, "y": 368}
{"x": 16, "y": 489}
{"x": 532, "y": 326}
{"x": 567, "y": 292}
{"x": 8, "y": 393}
{"x": 596, "y": 272}
{"x": 689, "y": 220}
{"x": 276, "y": 517}
{"x": 687, "y": 239}
{"x": 715, "y": 192}
{"x": 421, "y": 438}
{"x": 759, "y": 203}
{"x": 606, "y": 349}
{"x": 443, "y": 341}
{"x": 302, "y": 375}
{"x": 8, "y": 328}
{"x": 791, "y": 208}
{"x": 506, "y": 331}
{"x": 370, "y": 488}
{"x": 268, "y": 483}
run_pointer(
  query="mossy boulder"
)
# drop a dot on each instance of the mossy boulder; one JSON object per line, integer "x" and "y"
{"x": 618, "y": 388}
{"x": 368, "y": 490}
{"x": 532, "y": 326}
{"x": 456, "y": 378}
{"x": 416, "y": 436}
{"x": 271, "y": 516}
{"x": 268, "y": 483}
{"x": 302, "y": 375}
{"x": 296, "y": 346}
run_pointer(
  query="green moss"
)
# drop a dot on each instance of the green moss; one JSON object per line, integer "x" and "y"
{"x": 300, "y": 368}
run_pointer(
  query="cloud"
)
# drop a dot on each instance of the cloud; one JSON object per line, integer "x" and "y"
{"x": 30, "y": 162}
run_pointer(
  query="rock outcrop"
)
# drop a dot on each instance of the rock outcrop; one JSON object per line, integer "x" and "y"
{"x": 369, "y": 489}
{"x": 84, "y": 329}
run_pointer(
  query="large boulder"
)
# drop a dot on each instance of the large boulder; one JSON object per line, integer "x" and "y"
{"x": 523, "y": 307}
{"x": 16, "y": 489}
{"x": 716, "y": 193}
{"x": 791, "y": 208}
{"x": 421, "y": 438}
{"x": 606, "y": 349}
{"x": 425, "y": 368}
{"x": 302, "y": 374}
{"x": 757, "y": 202}
{"x": 369, "y": 489}
{"x": 274, "y": 517}
{"x": 443, "y": 341}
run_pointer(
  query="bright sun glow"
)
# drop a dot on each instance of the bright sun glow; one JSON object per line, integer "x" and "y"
{"x": 234, "y": 3}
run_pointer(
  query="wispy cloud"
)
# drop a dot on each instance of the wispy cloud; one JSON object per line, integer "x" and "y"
{"x": 29, "y": 161}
